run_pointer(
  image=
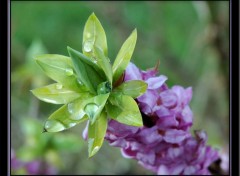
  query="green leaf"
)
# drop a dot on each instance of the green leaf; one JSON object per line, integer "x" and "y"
{"x": 93, "y": 35}
{"x": 56, "y": 94}
{"x": 85, "y": 72}
{"x": 96, "y": 134}
{"x": 75, "y": 112}
{"x": 91, "y": 62}
{"x": 67, "y": 116}
{"x": 60, "y": 69}
{"x": 93, "y": 107}
{"x": 124, "y": 109}
{"x": 104, "y": 87}
{"x": 124, "y": 55}
{"x": 133, "y": 88}
{"x": 104, "y": 64}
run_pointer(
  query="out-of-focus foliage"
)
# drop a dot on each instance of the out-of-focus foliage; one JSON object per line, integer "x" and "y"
{"x": 45, "y": 147}
{"x": 190, "y": 39}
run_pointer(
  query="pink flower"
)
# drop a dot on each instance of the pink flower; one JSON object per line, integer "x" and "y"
{"x": 164, "y": 144}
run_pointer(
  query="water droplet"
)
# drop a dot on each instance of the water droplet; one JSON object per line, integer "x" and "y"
{"x": 88, "y": 46}
{"x": 95, "y": 150}
{"x": 104, "y": 88}
{"x": 88, "y": 35}
{"x": 90, "y": 145}
{"x": 70, "y": 108}
{"x": 108, "y": 59}
{"x": 69, "y": 71}
{"x": 94, "y": 59}
{"x": 91, "y": 109}
{"x": 52, "y": 125}
{"x": 80, "y": 114}
{"x": 76, "y": 113}
{"x": 79, "y": 82}
{"x": 59, "y": 86}
{"x": 71, "y": 124}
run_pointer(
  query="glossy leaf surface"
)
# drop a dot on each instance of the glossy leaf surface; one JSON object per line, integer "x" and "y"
{"x": 124, "y": 55}
{"x": 60, "y": 69}
{"x": 57, "y": 94}
{"x": 133, "y": 88}
{"x": 94, "y": 35}
{"x": 91, "y": 62}
{"x": 104, "y": 63}
{"x": 124, "y": 109}
{"x": 94, "y": 106}
{"x": 85, "y": 72}
{"x": 66, "y": 116}
{"x": 96, "y": 134}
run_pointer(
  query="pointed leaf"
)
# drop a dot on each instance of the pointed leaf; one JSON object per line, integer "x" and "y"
{"x": 124, "y": 55}
{"x": 57, "y": 94}
{"x": 67, "y": 116}
{"x": 104, "y": 64}
{"x": 91, "y": 62}
{"x": 96, "y": 134}
{"x": 124, "y": 109}
{"x": 93, "y": 35}
{"x": 133, "y": 88}
{"x": 85, "y": 72}
{"x": 75, "y": 112}
{"x": 60, "y": 69}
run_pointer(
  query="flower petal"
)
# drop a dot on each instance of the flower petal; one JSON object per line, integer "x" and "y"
{"x": 156, "y": 82}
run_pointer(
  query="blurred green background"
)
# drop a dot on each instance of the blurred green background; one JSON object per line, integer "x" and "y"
{"x": 191, "y": 40}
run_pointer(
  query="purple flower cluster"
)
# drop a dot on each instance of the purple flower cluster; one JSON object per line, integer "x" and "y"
{"x": 164, "y": 144}
{"x": 35, "y": 167}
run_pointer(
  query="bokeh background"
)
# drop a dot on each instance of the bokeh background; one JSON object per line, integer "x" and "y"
{"x": 190, "y": 39}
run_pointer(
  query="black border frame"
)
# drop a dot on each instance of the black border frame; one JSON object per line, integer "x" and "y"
{"x": 233, "y": 74}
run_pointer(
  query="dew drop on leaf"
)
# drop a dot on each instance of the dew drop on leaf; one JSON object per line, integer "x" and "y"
{"x": 90, "y": 109}
{"x": 71, "y": 124}
{"x": 59, "y": 86}
{"x": 79, "y": 82}
{"x": 69, "y": 71}
{"x": 95, "y": 60}
{"x": 76, "y": 113}
{"x": 104, "y": 88}
{"x": 95, "y": 150}
{"x": 88, "y": 46}
{"x": 108, "y": 59}
{"x": 88, "y": 35}
{"x": 71, "y": 108}
{"x": 52, "y": 125}
{"x": 80, "y": 114}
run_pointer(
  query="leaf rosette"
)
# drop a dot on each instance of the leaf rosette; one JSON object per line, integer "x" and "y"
{"x": 88, "y": 86}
